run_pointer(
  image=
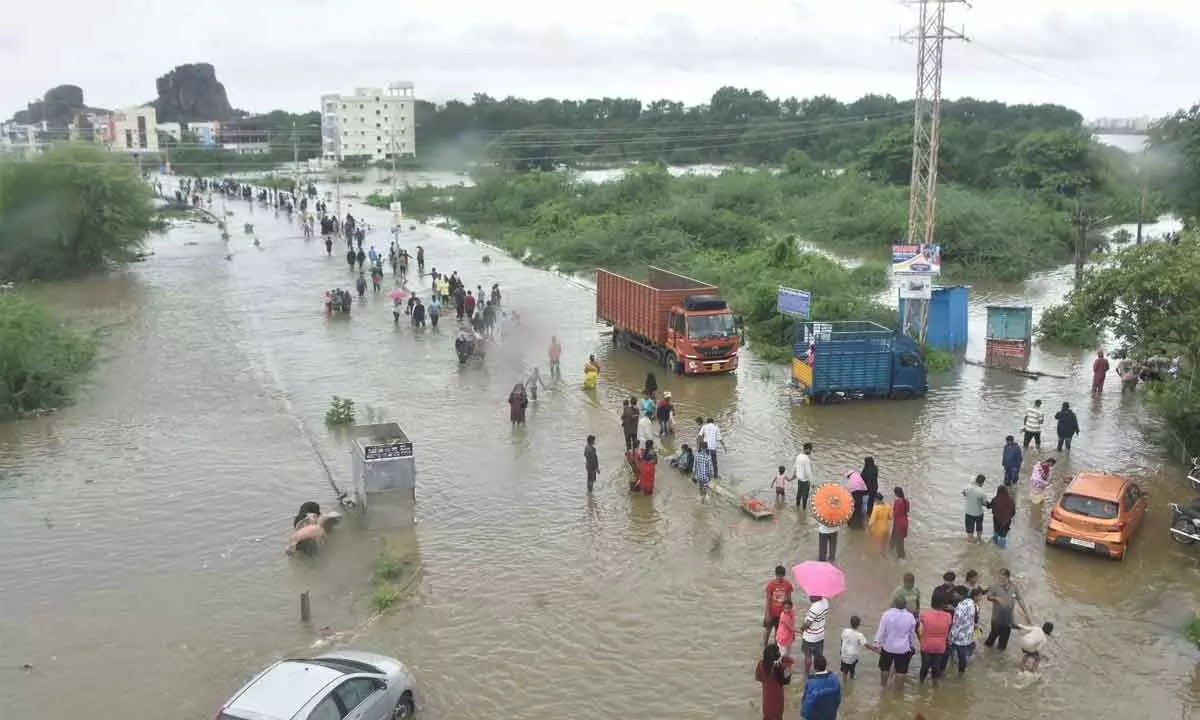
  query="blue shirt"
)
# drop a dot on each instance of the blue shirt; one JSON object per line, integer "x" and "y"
{"x": 702, "y": 466}
{"x": 648, "y": 407}
{"x": 822, "y": 696}
{"x": 435, "y": 305}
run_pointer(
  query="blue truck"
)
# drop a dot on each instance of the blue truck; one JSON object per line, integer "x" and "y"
{"x": 837, "y": 361}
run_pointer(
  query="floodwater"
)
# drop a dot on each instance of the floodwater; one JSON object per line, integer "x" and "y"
{"x": 143, "y": 528}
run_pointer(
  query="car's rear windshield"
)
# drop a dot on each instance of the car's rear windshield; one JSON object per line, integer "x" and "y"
{"x": 1089, "y": 506}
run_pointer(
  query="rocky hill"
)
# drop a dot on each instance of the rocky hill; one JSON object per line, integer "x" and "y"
{"x": 192, "y": 93}
{"x": 57, "y": 108}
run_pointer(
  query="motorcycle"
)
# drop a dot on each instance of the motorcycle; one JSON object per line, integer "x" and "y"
{"x": 1194, "y": 473}
{"x": 1185, "y": 522}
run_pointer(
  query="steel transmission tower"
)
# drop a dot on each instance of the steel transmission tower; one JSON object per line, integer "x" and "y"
{"x": 930, "y": 36}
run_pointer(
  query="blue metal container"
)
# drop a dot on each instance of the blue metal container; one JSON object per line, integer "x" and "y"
{"x": 1010, "y": 323}
{"x": 947, "y": 322}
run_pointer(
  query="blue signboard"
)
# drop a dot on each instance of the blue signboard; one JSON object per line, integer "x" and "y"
{"x": 794, "y": 302}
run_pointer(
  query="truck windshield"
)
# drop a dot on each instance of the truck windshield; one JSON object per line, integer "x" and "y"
{"x": 700, "y": 327}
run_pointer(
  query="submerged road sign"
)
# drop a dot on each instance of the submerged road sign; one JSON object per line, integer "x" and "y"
{"x": 797, "y": 303}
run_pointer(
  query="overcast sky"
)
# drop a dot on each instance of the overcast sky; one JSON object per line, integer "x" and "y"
{"x": 1101, "y": 57}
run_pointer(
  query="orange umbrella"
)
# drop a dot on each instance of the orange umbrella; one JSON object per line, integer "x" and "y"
{"x": 831, "y": 504}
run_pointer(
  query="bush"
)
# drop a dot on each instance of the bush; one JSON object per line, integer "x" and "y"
{"x": 1192, "y": 629}
{"x": 937, "y": 361}
{"x": 1065, "y": 324}
{"x": 73, "y": 210}
{"x": 340, "y": 412}
{"x": 384, "y": 596}
{"x": 1179, "y": 407}
{"x": 40, "y": 360}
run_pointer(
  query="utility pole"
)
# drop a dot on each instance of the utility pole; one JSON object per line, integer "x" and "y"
{"x": 929, "y": 36}
{"x": 1142, "y": 202}
{"x": 295, "y": 161}
{"x": 1082, "y": 222}
{"x": 395, "y": 180}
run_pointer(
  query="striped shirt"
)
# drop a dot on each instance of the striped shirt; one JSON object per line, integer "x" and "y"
{"x": 702, "y": 466}
{"x": 815, "y": 621}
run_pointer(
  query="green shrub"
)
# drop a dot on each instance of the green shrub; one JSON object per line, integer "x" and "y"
{"x": 40, "y": 360}
{"x": 1065, "y": 325}
{"x": 340, "y": 412}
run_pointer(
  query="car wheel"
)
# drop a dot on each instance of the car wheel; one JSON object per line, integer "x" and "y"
{"x": 405, "y": 707}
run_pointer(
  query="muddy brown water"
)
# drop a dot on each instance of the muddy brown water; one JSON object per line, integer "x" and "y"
{"x": 142, "y": 532}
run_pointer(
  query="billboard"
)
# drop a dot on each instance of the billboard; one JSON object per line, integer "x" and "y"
{"x": 917, "y": 259}
{"x": 914, "y": 286}
{"x": 797, "y": 303}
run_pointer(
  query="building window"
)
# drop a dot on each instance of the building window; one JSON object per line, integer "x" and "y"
{"x": 128, "y": 138}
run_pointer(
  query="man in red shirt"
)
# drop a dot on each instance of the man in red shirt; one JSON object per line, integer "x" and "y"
{"x": 778, "y": 591}
{"x": 469, "y": 304}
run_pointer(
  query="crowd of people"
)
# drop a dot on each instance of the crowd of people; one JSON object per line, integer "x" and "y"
{"x": 946, "y": 633}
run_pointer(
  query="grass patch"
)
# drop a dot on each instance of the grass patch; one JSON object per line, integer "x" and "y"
{"x": 390, "y": 572}
{"x": 1192, "y": 630}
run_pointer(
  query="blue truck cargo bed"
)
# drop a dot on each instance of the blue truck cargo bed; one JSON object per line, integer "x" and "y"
{"x": 854, "y": 359}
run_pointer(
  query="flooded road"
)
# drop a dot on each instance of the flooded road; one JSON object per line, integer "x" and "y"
{"x": 143, "y": 528}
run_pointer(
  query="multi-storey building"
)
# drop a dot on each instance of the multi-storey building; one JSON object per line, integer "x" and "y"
{"x": 372, "y": 123}
{"x": 133, "y": 130}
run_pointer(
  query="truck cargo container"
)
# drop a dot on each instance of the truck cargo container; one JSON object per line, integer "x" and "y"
{"x": 1009, "y": 336}
{"x": 856, "y": 359}
{"x": 679, "y": 322}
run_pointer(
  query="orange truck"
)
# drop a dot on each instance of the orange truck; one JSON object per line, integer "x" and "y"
{"x": 680, "y": 323}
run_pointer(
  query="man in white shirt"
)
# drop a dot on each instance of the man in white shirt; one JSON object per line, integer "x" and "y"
{"x": 803, "y": 475}
{"x": 645, "y": 431}
{"x": 712, "y": 437}
{"x": 812, "y": 632}
{"x": 1034, "y": 418}
{"x": 826, "y": 542}
{"x": 1033, "y": 641}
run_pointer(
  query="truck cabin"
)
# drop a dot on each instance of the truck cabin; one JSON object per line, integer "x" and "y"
{"x": 703, "y": 317}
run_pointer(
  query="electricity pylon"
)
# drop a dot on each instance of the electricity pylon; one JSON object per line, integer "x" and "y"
{"x": 929, "y": 36}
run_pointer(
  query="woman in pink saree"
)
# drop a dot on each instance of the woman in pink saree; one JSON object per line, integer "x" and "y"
{"x": 1039, "y": 481}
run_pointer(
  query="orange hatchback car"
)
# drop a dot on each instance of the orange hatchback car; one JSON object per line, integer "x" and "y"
{"x": 1097, "y": 513}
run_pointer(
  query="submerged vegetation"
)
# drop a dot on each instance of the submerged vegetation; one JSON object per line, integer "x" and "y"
{"x": 340, "y": 412}
{"x": 391, "y": 571}
{"x": 41, "y": 361}
{"x": 71, "y": 211}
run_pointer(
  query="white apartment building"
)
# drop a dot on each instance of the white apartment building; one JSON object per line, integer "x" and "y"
{"x": 133, "y": 130}
{"x": 371, "y": 123}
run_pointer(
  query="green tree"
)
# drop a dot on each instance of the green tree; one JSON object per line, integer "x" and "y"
{"x": 1174, "y": 159}
{"x": 1148, "y": 298}
{"x": 73, "y": 210}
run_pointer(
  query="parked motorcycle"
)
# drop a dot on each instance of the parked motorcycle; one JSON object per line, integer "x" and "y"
{"x": 1194, "y": 473}
{"x": 1185, "y": 522}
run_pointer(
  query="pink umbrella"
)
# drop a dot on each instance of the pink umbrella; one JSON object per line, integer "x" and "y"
{"x": 820, "y": 579}
{"x": 398, "y": 295}
{"x": 855, "y": 482}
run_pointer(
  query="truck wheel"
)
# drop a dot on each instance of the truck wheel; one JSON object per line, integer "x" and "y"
{"x": 672, "y": 364}
{"x": 616, "y": 338}
{"x": 901, "y": 394}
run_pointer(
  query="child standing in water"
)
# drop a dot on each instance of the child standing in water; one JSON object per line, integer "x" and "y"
{"x": 785, "y": 634}
{"x": 879, "y": 524}
{"x": 780, "y": 484}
